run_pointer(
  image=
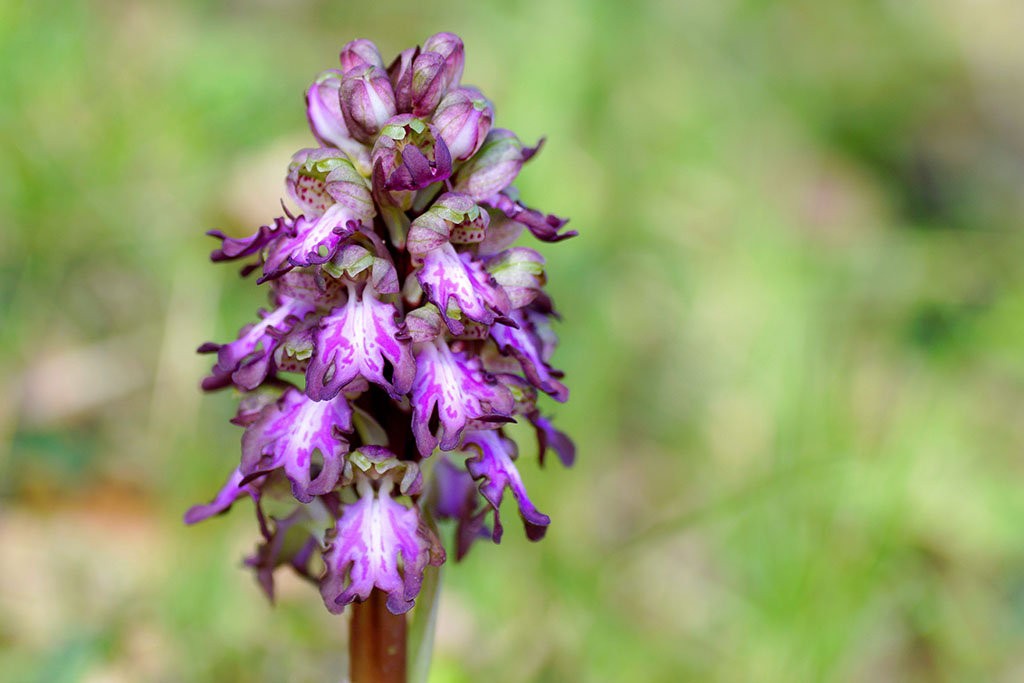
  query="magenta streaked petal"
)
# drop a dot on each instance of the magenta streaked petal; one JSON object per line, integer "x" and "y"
{"x": 493, "y": 467}
{"x": 450, "y": 390}
{"x": 360, "y": 339}
{"x": 449, "y": 278}
{"x": 379, "y": 544}
{"x": 290, "y": 432}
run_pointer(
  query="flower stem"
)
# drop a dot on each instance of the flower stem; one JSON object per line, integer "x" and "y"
{"x": 376, "y": 642}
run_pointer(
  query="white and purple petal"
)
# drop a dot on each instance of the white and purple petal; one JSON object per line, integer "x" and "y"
{"x": 287, "y": 436}
{"x": 378, "y": 544}
{"x": 360, "y": 339}
{"x": 450, "y": 278}
{"x": 451, "y": 390}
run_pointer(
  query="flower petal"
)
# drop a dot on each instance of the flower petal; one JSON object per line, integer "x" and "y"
{"x": 451, "y": 278}
{"x": 450, "y": 390}
{"x": 492, "y": 466}
{"x": 378, "y": 544}
{"x": 286, "y": 436}
{"x": 232, "y": 490}
{"x": 360, "y": 339}
{"x": 247, "y": 360}
{"x": 526, "y": 346}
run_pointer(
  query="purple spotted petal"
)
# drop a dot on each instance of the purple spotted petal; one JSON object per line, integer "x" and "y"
{"x": 288, "y": 433}
{"x": 360, "y": 339}
{"x": 246, "y": 361}
{"x": 524, "y": 344}
{"x": 378, "y": 544}
{"x": 233, "y": 490}
{"x": 492, "y": 466}
{"x": 453, "y": 217}
{"x": 450, "y": 390}
{"x": 455, "y": 279}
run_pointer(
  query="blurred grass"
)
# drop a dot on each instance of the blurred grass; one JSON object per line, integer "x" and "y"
{"x": 793, "y": 333}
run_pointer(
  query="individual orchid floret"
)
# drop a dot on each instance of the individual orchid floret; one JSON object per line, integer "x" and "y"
{"x": 367, "y": 101}
{"x": 338, "y": 202}
{"x": 493, "y": 467}
{"x": 428, "y": 83}
{"x": 360, "y": 339}
{"x": 463, "y": 118}
{"x": 494, "y": 167}
{"x": 360, "y": 53}
{"x": 453, "y": 218}
{"x": 451, "y": 391}
{"x": 381, "y": 544}
{"x": 450, "y": 279}
{"x": 450, "y": 47}
{"x": 289, "y": 433}
{"x": 246, "y": 361}
{"x": 287, "y": 540}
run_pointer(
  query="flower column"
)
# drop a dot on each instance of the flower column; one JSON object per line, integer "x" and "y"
{"x": 405, "y": 331}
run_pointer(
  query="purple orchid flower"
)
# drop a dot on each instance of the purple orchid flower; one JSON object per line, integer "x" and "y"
{"x": 405, "y": 319}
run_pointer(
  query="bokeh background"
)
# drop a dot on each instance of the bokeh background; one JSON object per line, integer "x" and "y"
{"x": 793, "y": 333}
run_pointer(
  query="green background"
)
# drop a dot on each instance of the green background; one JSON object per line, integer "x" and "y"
{"x": 793, "y": 335}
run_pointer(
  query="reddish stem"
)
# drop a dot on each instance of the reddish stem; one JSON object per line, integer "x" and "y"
{"x": 376, "y": 642}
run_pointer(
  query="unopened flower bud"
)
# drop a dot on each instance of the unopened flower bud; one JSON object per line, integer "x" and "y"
{"x": 463, "y": 119}
{"x": 367, "y": 101}
{"x": 361, "y": 52}
{"x": 449, "y": 46}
